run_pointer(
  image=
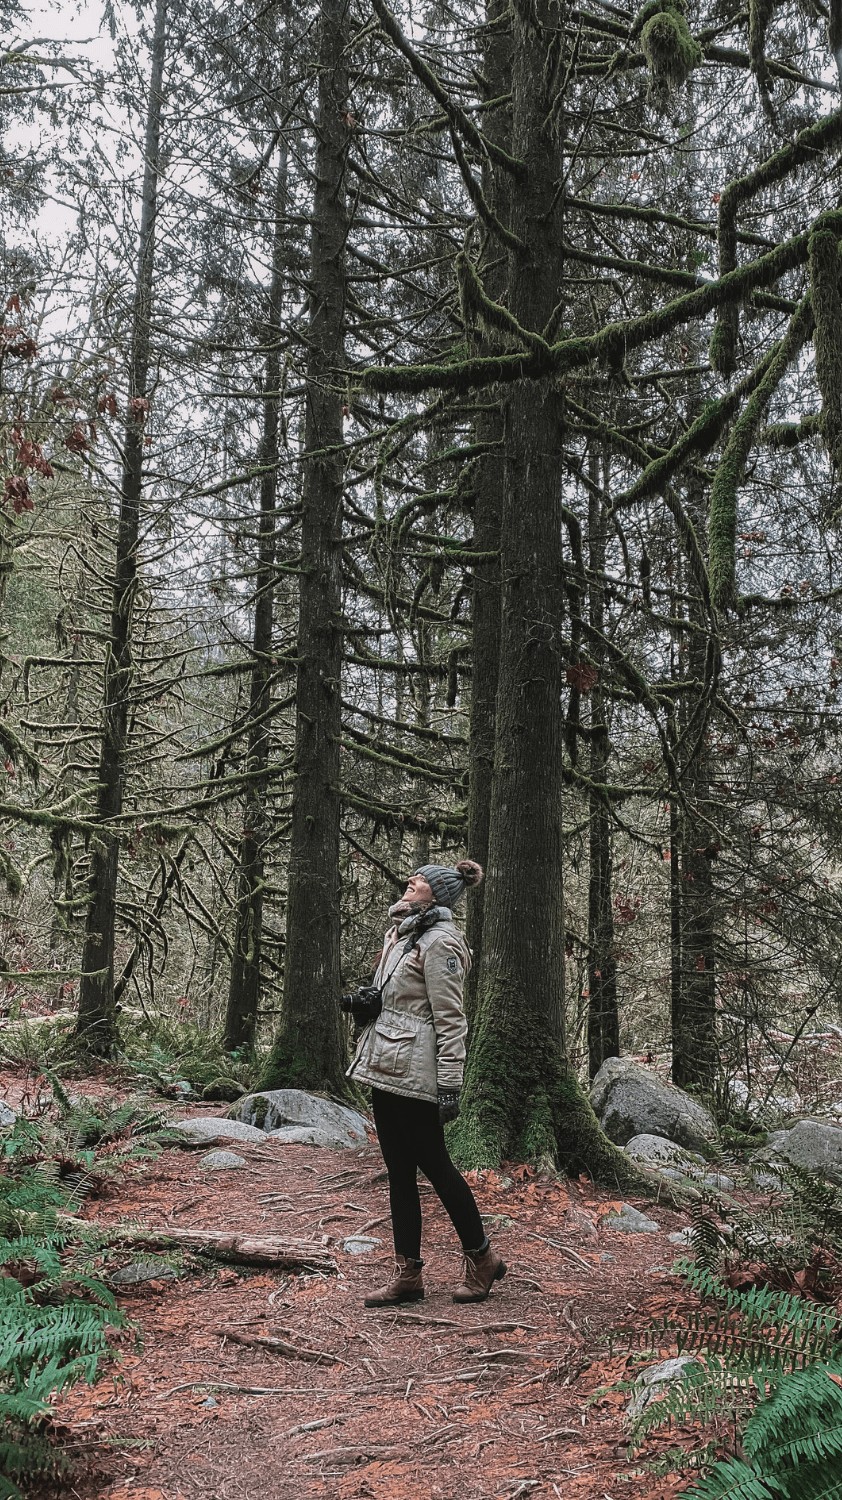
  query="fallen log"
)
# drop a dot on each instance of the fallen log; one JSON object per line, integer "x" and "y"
{"x": 221, "y": 1244}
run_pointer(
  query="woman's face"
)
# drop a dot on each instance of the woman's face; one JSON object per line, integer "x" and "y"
{"x": 418, "y": 892}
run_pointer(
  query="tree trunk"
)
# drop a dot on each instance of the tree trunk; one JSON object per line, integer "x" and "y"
{"x": 603, "y": 1015}
{"x": 522, "y": 1099}
{"x": 97, "y": 1022}
{"x": 694, "y": 1045}
{"x": 488, "y": 513}
{"x": 309, "y": 1050}
{"x": 246, "y": 968}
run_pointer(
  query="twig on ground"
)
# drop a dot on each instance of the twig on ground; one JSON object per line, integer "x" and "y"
{"x": 311, "y": 1426}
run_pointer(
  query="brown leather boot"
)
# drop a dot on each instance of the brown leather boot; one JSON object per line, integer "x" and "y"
{"x": 482, "y": 1269}
{"x": 407, "y": 1286}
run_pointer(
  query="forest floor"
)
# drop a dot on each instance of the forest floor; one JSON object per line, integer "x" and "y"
{"x": 509, "y": 1398}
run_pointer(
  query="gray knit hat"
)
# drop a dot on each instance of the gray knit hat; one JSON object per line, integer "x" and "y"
{"x": 447, "y": 882}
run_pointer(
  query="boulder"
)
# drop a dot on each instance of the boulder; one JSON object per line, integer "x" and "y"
{"x": 665, "y": 1373}
{"x": 630, "y": 1220}
{"x": 221, "y": 1161}
{"x": 811, "y": 1144}
{"x": 140, "y": 1271}
{"x": 7, "y": 1116}
{"x": 311, "y": 1135}
{"x": 360, "y": 1244}
{"x": 273, "y": 1109}
{"x": 630, "y": 1100}
{"x": 671, "y": 1160}
{"x": 207, "y": 1130}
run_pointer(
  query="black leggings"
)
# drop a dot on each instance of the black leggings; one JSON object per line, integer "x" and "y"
{"x": 411, "y": 1137}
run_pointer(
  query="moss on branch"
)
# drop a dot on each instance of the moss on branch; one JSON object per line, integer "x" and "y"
{"x": 722, "y": 526}
{"x": 827, "y": 311}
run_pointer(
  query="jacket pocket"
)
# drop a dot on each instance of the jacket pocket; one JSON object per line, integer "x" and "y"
{"x": 391, "y": 1047}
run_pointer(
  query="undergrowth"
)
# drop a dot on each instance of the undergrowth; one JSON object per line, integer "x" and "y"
{"x": 166, "y": 1054}
{"x": 174, "y": 1057}
{"x": 763, "y": 1347}
{"x": 57, "y": 1316}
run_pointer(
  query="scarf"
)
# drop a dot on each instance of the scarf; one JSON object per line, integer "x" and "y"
{"x": 419, "y": 921}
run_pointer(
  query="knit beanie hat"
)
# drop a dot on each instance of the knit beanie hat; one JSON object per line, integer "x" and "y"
{"x": 448, "y": 882}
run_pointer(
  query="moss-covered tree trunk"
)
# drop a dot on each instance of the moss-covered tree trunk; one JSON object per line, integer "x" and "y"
{"x": 309, "y": 1048}
{"x": 246, "y": 966}
{"x": 603, "y": 1013}
{"x": 97, "y": 1020}
{"x": 694, "y": 1042}
{"x": 522, "y": 1098}
{"x": 488, "y": 491}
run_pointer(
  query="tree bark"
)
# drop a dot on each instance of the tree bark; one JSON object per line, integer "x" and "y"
{"x": 522, "y": 1099}
{"x": 309, "y": 1048}
{"x": 97, "y": 1021}
{"x": 246, "y": 967}
{"x": 603, "y": 1014}
{"x": 488, "y": 514}
{"x": 694, "y": 1043}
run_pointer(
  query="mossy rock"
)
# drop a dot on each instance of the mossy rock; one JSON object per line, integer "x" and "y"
{"x": 223, "y": 1088}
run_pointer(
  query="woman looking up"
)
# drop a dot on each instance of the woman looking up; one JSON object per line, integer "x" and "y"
{"x": 412, "y": 1055}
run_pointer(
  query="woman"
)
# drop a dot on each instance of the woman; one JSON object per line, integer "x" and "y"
{"x": 413, "y": 1055}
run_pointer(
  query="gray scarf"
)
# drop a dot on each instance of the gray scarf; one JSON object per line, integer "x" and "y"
{"x": 419, "y": 921}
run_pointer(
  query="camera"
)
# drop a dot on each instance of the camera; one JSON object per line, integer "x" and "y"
{"x": 365, "y": 1004}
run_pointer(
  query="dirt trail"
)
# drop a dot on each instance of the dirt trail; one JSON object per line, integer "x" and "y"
{"x": 494, "y": 1400}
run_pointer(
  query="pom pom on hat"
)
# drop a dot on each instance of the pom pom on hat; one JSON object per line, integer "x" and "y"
{"x": 471, "y": 872}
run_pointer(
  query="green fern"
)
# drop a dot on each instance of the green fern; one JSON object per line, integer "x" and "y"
{"x": 56, "y": 1314}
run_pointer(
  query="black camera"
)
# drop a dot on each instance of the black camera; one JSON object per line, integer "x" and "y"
{"x": 364, "y": 1005}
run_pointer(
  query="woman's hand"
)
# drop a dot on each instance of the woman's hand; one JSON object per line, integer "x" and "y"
{"x": 448, "y": 1105}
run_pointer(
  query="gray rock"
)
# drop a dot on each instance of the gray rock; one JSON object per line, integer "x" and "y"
{"x": 360, "y": 1244}
{"x": 681, "y": 1236}
{"x": 656, "y": 1151}
{"x": 209, "y": 1402}
{"x": 310, "y": 1135}
{"x": 221, "y": 1161}
{"x": 811, "y": 1144}
{"x": 139, "y": 1271}
{"x": 665, "y": 1373}
{"x": 766, "y": 1178}
{"x": 630, "y": 1220}
{"x": 275, "y": 1109}
{"x": 631, "y": 1100}
{"x": 205, "y": 1130}
{"x": 7, "y": 1116}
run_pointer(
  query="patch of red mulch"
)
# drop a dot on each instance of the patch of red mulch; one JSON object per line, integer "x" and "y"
{"x": 503, "y": 1399}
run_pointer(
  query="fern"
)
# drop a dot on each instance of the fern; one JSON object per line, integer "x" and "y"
{"x": 56, "y": 1314}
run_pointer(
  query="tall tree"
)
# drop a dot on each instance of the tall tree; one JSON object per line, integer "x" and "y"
{"x": 97, "y": 1020}
{"x": 246, "y": 964}
{"x": 308, "y": 1049}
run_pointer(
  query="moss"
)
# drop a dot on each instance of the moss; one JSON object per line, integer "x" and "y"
{"x": 723, "y": 344}
{"x": 480, "y": 309}
{"x": 259, "y": 1111}
{"x": 522, "y": 1100}
{"x": 827, "y": 310}
{"x": 670, "y": 49}
{"x": 722, "y": 527}
{"x": 759, "y": 15}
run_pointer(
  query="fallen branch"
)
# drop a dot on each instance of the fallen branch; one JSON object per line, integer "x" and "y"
{"x": 279, "y": 1346}
{"x": 557, "y": 1245}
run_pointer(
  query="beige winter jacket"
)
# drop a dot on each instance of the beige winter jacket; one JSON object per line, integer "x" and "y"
{"x": 417, "y": 1044}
